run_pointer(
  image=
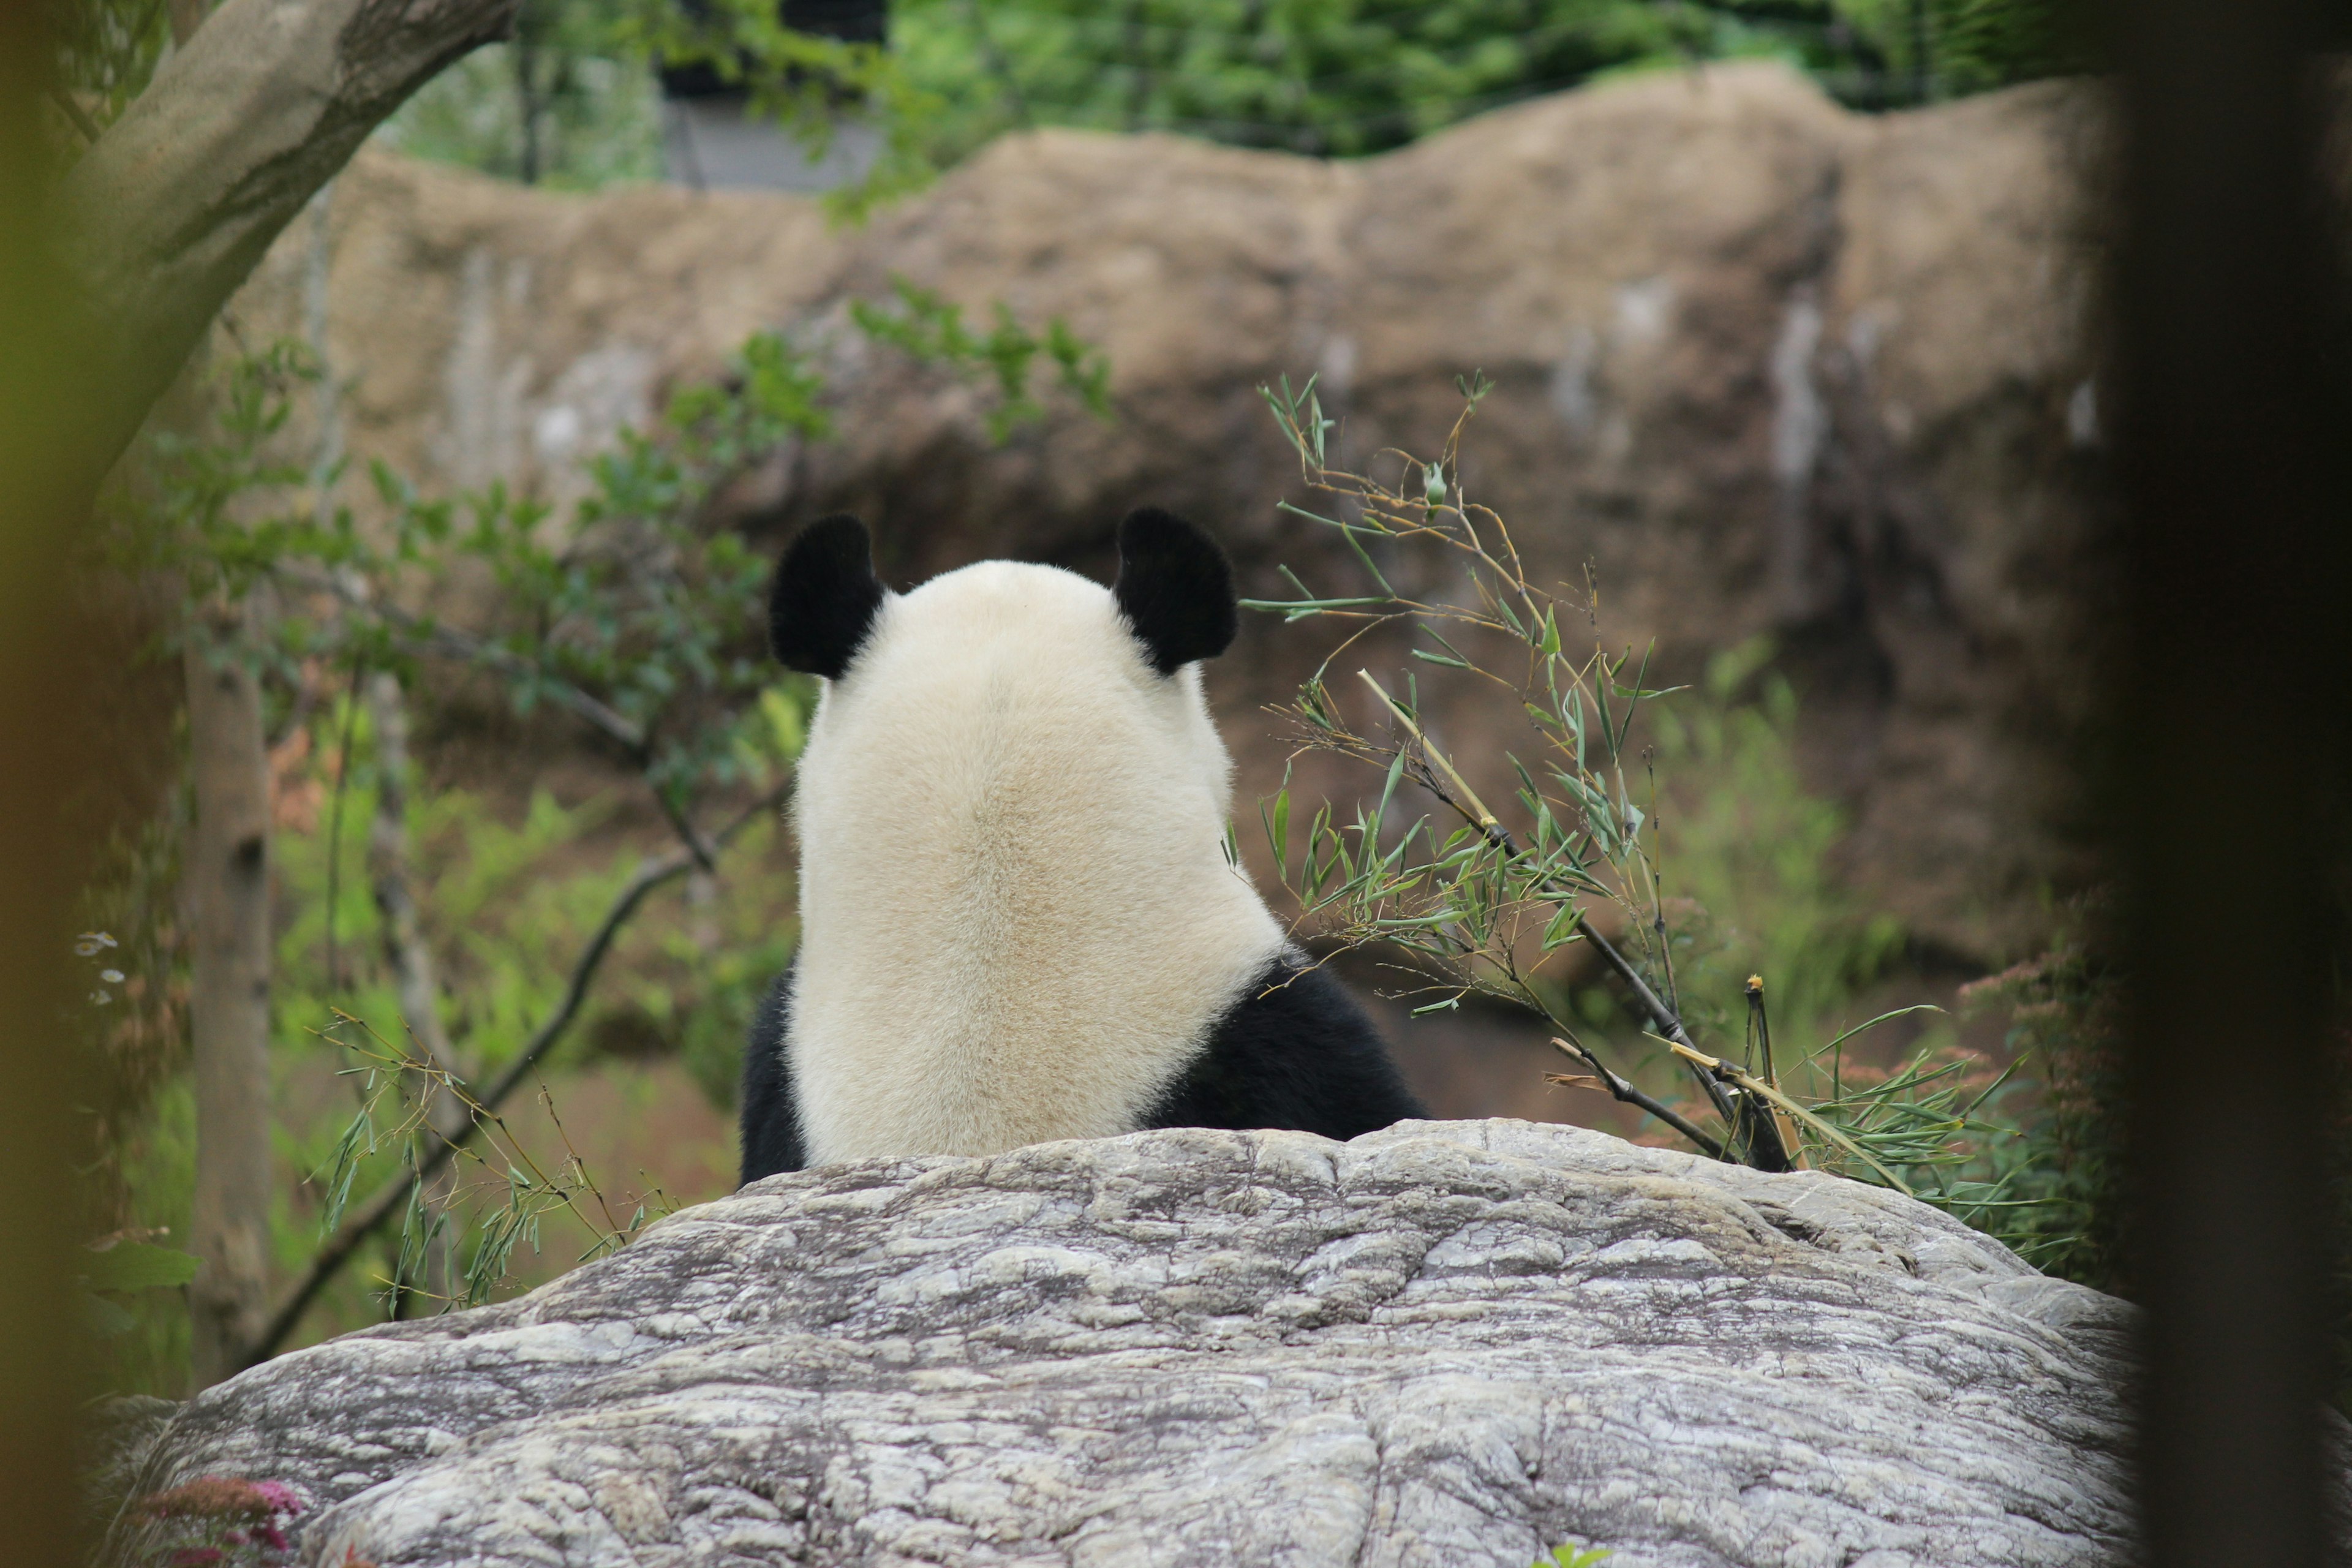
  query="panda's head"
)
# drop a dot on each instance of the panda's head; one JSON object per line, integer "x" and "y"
{"x": 1010, "y": 694}
{"x": 1174, "y": 592}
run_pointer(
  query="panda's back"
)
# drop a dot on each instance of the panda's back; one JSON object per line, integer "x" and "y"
{"x": 1019, "y": 921}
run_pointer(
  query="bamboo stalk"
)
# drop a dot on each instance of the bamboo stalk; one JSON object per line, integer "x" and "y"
{"x": 1756, "y": 1086}
{"x": 1472, "y": 807}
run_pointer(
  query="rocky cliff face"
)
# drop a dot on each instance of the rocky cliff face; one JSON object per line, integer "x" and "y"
{"x": 1450, "y": 1344}
{"x": 1764, "y": 365}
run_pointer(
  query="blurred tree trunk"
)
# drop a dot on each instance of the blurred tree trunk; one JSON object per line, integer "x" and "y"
{"x": 410, "y": 961}
{"x": 46, "y": 764}
{"x": 227, "y": 897}
{"x": 173, "y": 207}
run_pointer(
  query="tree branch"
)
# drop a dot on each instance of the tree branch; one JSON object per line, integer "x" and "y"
{"x": 1622, "y": 1087}
{"x": 447, "y": 642}
{"x": 393, "y": 1197}
{"x": 171, "y": 209}
{"x": 1661, "y": 1015}
{"x": 1472, "y": 810}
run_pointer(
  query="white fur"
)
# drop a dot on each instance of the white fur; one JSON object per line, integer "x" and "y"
{"x": 1017, "y": 919}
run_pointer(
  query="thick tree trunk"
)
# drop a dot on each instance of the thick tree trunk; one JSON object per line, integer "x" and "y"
{"x": 228, "y": 907}
{"x": 410, "y": 961}
{"x": 172, "y": 208}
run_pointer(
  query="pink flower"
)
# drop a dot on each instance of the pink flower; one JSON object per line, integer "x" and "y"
{"x": 223, "y": 1496}
{"x": 280, "y": 1496}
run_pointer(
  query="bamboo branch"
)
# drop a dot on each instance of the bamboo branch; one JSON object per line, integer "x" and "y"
{"x": 1781, "y": 1126}
{"x": 1661, "y": 1015}
{"x": 393, "y": 1197}
{"x": 1717, "y": 1067}
{"x": 1623, "y": 1089}
{"x": 1475, "y": 811}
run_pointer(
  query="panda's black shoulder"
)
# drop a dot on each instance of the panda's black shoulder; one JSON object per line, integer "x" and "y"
{"x": 768, "y": 1107}
{"x": 1295, "y": 1050}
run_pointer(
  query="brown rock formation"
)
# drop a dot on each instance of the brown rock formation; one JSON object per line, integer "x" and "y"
{"x": 1767, "y": 366}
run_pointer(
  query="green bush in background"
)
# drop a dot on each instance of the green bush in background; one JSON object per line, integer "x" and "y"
{"x": 573, "y": 103}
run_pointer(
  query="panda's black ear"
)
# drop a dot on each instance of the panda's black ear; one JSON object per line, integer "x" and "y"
{"x": 825, "y": 597}
{"x": 1175, "y": 588}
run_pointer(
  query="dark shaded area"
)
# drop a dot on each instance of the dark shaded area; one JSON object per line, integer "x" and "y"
{"x": 851, "y": 21}
{"x": 2233, "y": 631}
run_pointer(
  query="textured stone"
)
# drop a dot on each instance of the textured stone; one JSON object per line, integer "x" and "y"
{"x": 1450, "y": 1343}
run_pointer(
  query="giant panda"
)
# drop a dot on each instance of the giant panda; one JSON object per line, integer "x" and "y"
{"x": 1018, "y": 921}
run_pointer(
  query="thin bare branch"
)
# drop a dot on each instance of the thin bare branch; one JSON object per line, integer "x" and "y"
{"x": 393, "y": 1197}
{"x": 1624, "y": 1089}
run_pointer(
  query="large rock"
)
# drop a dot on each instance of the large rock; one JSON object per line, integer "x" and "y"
{"x": 1451, "y": 1344}
{"x": 1768, "y": 367}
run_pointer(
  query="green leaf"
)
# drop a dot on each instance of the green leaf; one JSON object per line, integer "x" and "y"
{"x": 1571, "y": 1556}
{"x": 105, "y": 1319}
{"x": 139, "y": 1266}
{"x": 1388, "y": 788}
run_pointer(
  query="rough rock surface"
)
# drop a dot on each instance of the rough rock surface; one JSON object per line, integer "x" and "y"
{"x": 1769, "y": 366}
{"x": 1449, "y": 1343}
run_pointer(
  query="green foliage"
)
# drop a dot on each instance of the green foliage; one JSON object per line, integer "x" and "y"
{"x": 1312, "y": 75}
{"x": 2062, "y": 1008}
{"x": 933, "y": 331}
{"x": 634, "y": 614}
{"x": 802, "y": 81}
{"x": 143, "y": 1335}
{"x": 1341, "y": 77}
{"x": 1752, "y": 850}
{"x": 1903, "y": 51}
{"x": 571, "y": 98}
{"x": 107, "y": 50}
{"x": 1478, "y": 903}
{"x": 139, "y": 1266}
{"x": 1571, "y": 1556}
{"x": 127, "y": 1269}
{"x": 562, "y": 104}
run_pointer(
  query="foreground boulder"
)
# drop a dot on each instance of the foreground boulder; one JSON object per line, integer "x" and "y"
{"x": 1450, "y": 1343}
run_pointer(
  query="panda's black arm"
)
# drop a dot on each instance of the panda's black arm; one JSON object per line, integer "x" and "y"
{"x": 1295, "y": 1052}
{"x": 770, "y": 1121}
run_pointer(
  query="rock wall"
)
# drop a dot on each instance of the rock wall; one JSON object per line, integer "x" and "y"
{"x": 1446, "y": 1345}
{"x": 1765, "y": 365}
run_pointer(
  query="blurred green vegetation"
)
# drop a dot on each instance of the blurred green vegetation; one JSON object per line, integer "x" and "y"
{"x": 572, "y": 113}
{"x": 572, "y": 99}
{"x": 1749, "y": 858}
{"x": 510, "y": 892}
{"x": 1749, "y": 872}
{"x": 624, "y": 636}
{"x": 1343, "y": 77}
